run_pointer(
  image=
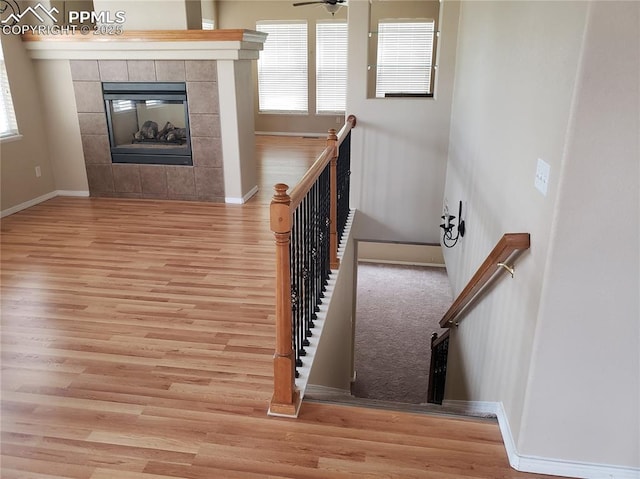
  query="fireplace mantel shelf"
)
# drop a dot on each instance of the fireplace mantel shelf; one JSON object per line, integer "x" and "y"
{"x": 142, "y": 44}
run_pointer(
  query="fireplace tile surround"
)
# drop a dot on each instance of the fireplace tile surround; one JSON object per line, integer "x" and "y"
{"x": 216, "y": 68}
{"x": 204, "y": 181}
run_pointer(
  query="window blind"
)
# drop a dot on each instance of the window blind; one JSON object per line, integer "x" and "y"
{"x": 331, "y": 67}
{"x": 405, "y": 57}
{"x": 8, "y": 124}
{"x": 282, "y": 67}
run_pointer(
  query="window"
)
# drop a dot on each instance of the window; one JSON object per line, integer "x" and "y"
{"x": 405, "y": 53}
{"x": 8, "y": 124}
{"x": 331, "y": 67}
{"x": 282, "y": 68}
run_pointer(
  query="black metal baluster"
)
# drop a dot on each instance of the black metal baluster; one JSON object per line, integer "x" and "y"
{"x": 293, "y": 268}
{"x": 343, "y": 174}
{"x": 306, "y": 270}
{"x": 299, "y": 274}
{"x": 326, "y": 220}
{"x": 309, "y": 269}
{"x": 314, "y": 253}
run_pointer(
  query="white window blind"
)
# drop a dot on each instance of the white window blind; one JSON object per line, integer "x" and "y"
{"x": 8, "y": 124}
{"x": 405, "y": 54}
{"x": 282, "y": 68}
{"x": 331, "y": 67}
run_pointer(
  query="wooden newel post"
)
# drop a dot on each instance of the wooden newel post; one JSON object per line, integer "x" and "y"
{"x": 286, "y": 398}
{"x": 332, "y": 141}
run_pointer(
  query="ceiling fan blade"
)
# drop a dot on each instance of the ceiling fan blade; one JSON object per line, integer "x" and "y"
{"x": 308, "y": 3}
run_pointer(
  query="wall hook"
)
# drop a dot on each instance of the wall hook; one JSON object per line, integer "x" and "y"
{"x": 508, "y": 268}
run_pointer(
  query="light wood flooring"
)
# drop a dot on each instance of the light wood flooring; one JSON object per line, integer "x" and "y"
{"x": 137, "y": 342}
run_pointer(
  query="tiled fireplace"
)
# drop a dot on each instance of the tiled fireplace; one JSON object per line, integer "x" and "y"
{"x": 216, "y": 70}
{"x": 145, "y": 176}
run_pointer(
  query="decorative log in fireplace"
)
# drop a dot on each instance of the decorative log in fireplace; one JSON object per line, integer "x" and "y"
{"x": 169, "y": 134}
{"x": 134, "y": 112}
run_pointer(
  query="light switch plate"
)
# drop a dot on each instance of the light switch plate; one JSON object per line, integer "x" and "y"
{"x": 542, "y": 176}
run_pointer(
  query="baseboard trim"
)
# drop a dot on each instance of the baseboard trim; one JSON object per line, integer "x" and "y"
{"x": 240, "y": 201}
{"x": 290, "y": 133}
{"x": 540, "y": 465}
{"x": 83, "y": 194}
{"x": 40, "y": 199}
{"x": 402, "y": 263}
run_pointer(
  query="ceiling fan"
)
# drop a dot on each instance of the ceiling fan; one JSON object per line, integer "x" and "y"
{"x": 332, "y": 6}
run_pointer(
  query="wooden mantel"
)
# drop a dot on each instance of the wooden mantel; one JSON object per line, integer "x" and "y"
{"x": 235, "y": 44}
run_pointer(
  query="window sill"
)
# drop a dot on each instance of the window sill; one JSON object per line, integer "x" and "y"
{"x": 10, "y": 138}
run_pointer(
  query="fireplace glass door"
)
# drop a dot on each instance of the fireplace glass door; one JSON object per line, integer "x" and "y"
{"x": 148, "y": 123}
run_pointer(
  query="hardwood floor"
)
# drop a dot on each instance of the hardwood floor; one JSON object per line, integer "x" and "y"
{"x": 284, "y": 160}
{"x": 137, "y": 342}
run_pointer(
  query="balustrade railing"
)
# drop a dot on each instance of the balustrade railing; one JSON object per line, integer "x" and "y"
{"x": 307, "y": 223}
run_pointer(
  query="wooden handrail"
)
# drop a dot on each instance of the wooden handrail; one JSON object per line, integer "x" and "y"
{"x": 299, "y": 191}
{"x": 286, "y": 398}
{"x": 509, "y": 244}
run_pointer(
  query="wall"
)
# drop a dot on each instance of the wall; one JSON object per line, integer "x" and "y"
{"x": 400, "y": 253}
{"x": 333, "y": 362}
{"x": 209, "y": 10}
{"x": 511, "y": 106}
{"x": 18, "y": 158}
{"x": 58, "y": 105}
{"x": 399, "y": 147}
{"x": 540, "y": 343}
{"x": 587, "y": 344}
{"x": 64, "y": 7}
{"x": 155, "y": 15}
{"x": 245, "y": 14}
{"x": 236, "y": 123}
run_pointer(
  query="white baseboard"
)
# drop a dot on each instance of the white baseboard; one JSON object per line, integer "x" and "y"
{"x": 40, "y": 199}
{"x": 401, "y": 263}
{"x": 240, "y": 201}
{"x": 83, "y": 194}
{"x": 540, "y": 465}
{"x": 289, "y": 133}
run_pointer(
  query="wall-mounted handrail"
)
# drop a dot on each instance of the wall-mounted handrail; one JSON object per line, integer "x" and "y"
{"x": 509, "y": 245}
{"x": 306, "y": 229}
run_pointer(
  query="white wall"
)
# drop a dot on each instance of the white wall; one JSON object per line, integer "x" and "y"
{"x": 333, "y": 361}
{"x": 236, "y": 126}
{"x": 585, "y": 376}
{"x": 19, "y": 158}
{"x": 512, "y": 102}
{"x": 155, "y": 14}
{"x": 536, "y": 343}
{"x": 399, "y": 147}
{"x": 63, "y": 130}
